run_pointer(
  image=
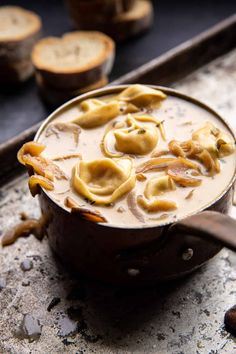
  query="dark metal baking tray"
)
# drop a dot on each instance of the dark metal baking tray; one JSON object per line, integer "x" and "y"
{"x": 163, "y": 70}
{"x": 180, "y": 317}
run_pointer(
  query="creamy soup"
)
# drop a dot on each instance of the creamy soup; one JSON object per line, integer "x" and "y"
{"x": 132, "y": 158}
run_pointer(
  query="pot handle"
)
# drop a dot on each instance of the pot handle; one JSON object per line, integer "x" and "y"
{"x": 210, "y": 225}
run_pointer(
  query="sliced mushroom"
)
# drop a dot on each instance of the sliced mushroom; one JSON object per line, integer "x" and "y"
{"x": 88, "y": 214}
{"x": 159, "y": 185}
{"x": 29, "y": 155}
{"x": 36, "y": 181}
{"x": 132, "y": 205}
{"x": 66, "y": 157}
{"x": 159, "y": 153}
{"x": 156, "y": 205}
{"x": 158, "y": 164}
{"x": 225, "y": 145}
{"x": 31, "y": 148}
{"x": 60, "y": 127}
{"x": 180, "y": 172}
{"x": 212, "y": 164}
{"x": 24, "y": 229}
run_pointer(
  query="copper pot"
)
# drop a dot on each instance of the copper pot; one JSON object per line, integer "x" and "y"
{"x": 144, "y": 254}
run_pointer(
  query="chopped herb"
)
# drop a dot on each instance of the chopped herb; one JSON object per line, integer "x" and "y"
{"x": 109, "y": 205}
{"x": 158, "y": 124}
{"x": 141, "y": 131}
{"x": 215, "y": 131}
{"x": 187, "y": 123}
{"x": 161, "y": 217}
{"x": 141, "y": 177}
{"x": 120, "y": 209}
{"x": 89, "y": 201}
{"x": 190, "y": 194}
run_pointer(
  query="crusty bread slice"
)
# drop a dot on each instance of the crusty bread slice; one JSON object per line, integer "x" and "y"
{"x": 136, "y": 20}
{"x": 76, "y": 60}
{"x": 128, "y": 4}
{"x": 15, "y": 73}
{"x": 97, "y": 11}
{"x": 19, "y": 30}
{"x": 55, "y": 97}
{"x": 133, "y": 22}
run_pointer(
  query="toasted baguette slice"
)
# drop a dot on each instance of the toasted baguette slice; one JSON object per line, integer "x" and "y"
{"x": 128, "y": 4}
{"x": 133, "y": 22}
{"x": 76, "y": 60}
{"x": 15, "y": 73}
{"x": 19, "y": 30}
{"x": 125, "y": 25}
{"x": 97, "y": 11}
{"x": 54, "y": 97}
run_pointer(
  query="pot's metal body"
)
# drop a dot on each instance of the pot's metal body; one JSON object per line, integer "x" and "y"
{"x": 127, "y": 255}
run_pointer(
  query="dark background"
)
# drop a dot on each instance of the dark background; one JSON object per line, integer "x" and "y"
{"x": 175, "y": 22}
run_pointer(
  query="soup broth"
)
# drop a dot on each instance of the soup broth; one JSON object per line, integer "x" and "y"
{"x": 137, "y": 158}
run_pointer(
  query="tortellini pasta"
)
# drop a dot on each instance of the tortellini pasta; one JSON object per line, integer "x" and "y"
{"x": 96, "y": 113}
{"x": 217, "y": 143}
{"x": 104, "y": 181}
{"x": 141, "y": 95}
{"x": 206, "y": 137}
{"x": 136, "y": 139}
{"x": 159, "y": 185}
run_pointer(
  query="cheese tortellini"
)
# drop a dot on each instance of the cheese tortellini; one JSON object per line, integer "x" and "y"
{"x": 104, "y": 181}
{"x": 96, "y": 113}
{"x": 217, "y": 143}
{"x": 136, "y": 139}
{"x": 141, "y": 95}
{"x": 206, "y": 137}
{"x": 159, "y": 185}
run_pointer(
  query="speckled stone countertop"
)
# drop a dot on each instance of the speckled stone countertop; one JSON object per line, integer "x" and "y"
{"x": 69, "y": 315}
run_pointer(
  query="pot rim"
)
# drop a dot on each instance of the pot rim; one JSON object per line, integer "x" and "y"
{"x": 169, "y": 91}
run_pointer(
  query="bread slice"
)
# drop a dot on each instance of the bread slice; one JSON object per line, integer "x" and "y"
{"x": 128, "y": 4}
{"x": 15, "y": 73}
{"x": 133, "y": 22}
{"x": 97, "y": 10}
{"x": 55, "y": 97}
{"x": 19, "y": 30}
{"x": 76, "y": 60}
{"x": 136, "y": 20}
